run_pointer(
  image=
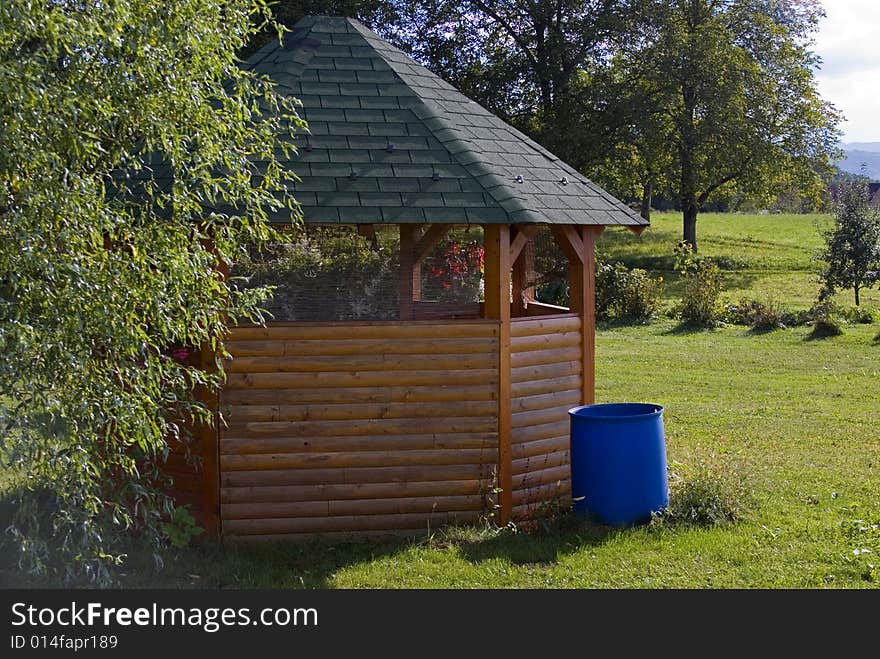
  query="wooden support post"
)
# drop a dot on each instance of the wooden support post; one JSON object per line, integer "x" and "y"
{"x": 522, "y": 257}
{"x": 410, "y": 270}
{"x": 581, "y": 248}
{"x": 497, "y": 307}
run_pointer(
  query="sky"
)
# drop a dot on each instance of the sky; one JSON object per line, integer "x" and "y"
{"x": 849, "y": 44}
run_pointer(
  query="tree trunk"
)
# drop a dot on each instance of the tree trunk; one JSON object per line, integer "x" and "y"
{"x": 856, "y": 289}
{"x": 689, "y": 212}
{"x": 647, "y": 196}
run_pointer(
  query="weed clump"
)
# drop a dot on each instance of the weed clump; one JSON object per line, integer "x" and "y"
{"x": 704, "y": 496}
{"x": 758, "y": 315}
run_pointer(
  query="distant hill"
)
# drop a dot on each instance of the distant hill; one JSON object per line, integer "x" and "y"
{"x": 859, "y": 155}
{"x": 873, "y": 147}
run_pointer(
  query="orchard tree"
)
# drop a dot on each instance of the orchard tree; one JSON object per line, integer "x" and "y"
{"x": 128, "y": 127}
{"x": 852, "y": 245}
{"x": 735, "y": 78}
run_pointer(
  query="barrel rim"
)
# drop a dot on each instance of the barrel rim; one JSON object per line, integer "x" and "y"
{"x": 655, "y": 411}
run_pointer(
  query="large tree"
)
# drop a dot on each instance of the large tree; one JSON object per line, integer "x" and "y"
{"x": 136, "y": 159}
{"x": 735, "y": 78}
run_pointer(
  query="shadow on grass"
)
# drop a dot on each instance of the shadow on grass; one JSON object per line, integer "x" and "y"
{"x": 822, "y": 334}
{"x": 542, "y": 545}
{"x": 686, "y": 329}
{"x": 213, "y": 565}
{"x": 761, "y": 331}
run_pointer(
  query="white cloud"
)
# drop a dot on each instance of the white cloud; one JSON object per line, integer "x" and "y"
{"x": 849, "y": 44}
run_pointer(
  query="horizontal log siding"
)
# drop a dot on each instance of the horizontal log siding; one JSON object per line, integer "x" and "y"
{"x": 358, "y": 428}
{"x": 547, "y": 381}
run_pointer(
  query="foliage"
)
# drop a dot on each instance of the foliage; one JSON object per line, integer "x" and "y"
{"x": 759, "y": 315}
{"x": 705, "y": 495}
{"x": 181, "y": 527}
{"x": 859, "y": 315}
{"x": 700, "y": 303}
{"x": 725, "y": 95}
{"x": 825, "y": 327}
{"x": 124, "y": 124}
{"x": 823, "y": 316}
{"x": 852, "y": 246}
{"x": 627, "y": 295}
{"x": 326, "y": 273}
{"x": 454, "y": 271}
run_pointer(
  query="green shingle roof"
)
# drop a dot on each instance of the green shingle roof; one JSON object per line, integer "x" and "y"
{"x": 389, "y": 142}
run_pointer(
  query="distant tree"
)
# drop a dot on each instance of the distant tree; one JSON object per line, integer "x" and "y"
{"x": 852, "y": 245}
{"x": 136, "y": 159}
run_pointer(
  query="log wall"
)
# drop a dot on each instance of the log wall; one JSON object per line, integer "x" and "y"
{"x": 546, "y": 381}
{"x": 352, "y": 428}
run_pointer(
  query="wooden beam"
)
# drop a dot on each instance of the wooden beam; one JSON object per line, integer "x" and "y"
{"x": 520, "y": 237}
{"x": 410, "y": 271}
{"x": 638, "y": 230}
{"x": 568, "y": 237}
{"x": 366, "y": 230}
{"x": 497, "y": 307}
{"x": 522, "y": 256}
{"x": 429, "y": 241}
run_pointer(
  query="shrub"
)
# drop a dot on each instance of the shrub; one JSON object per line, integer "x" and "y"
{"x": 454, "y": 271}
{"x": 700, "y": 301}
{"x": 705, "y": 495}
{"x": 627, "y": 295}
{"x": 821, "y": 309}
{"x": 859, "y": 315}
{"x": 825, "y": 324}
{"x": 758, "y": 315}
{"x": 556, "y": 292}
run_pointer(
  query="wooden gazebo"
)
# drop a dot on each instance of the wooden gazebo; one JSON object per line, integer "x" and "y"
{"x": 446, "y": 413}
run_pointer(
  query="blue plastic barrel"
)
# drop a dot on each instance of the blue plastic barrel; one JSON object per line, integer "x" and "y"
{"x": 618, "y": 462}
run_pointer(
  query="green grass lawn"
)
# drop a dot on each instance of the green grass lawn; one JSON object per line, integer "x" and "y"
{"x": 796, "y": 419}
{"x": 767, "y": 257}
